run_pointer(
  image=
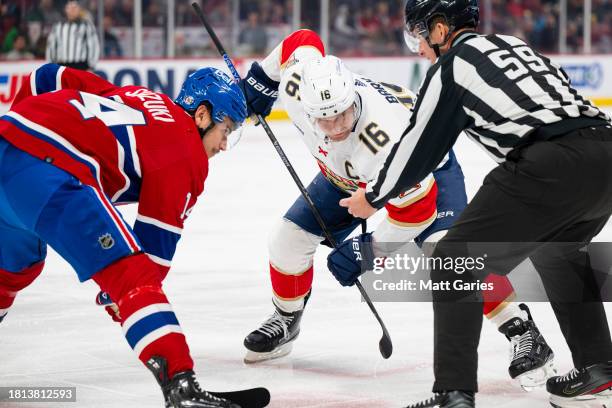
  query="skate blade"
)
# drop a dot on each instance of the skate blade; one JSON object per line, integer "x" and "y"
{"x": 253, "y": 357}
{"x": 602, "y": 399}
{"x": 534, "y": 379}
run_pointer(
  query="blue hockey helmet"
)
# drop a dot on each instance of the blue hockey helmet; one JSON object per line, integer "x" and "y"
{"x": 217, "y": 88}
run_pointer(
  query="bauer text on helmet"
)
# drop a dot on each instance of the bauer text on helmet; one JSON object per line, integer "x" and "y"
{"x": 217, "y": 88}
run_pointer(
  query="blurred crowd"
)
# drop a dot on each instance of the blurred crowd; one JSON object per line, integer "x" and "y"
{"x": 356, "y": 27}
{"x": 537, "y": 22}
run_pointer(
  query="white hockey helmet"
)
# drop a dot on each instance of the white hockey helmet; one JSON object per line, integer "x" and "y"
{"x": 327, "y": 88}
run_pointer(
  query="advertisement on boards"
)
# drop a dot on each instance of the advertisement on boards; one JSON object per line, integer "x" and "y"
{"x": 592, "y": 77}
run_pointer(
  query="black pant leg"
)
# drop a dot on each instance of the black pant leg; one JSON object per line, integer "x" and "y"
{"x": 456, "y": 336}
{"x": 458, "y": 314}
{"x": 574, "y": 293}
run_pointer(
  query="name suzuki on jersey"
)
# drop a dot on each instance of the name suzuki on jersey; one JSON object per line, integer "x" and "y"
{"x": 153, "y": 103}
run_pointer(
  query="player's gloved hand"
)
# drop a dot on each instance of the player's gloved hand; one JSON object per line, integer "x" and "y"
{"x": 259, "y": 90}
{"x": 351, "y": 259}
{"x": 103, "y": 299}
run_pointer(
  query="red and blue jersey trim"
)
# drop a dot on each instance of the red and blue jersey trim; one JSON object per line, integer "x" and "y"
{"x": 58, "y": 142}
{"x": 47, "y": 78}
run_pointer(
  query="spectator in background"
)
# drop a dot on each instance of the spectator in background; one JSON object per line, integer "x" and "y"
{"x": 386, "y": 40}
{"x": 36, "y": 39}
{"x": 549, "y": 39}
{"x": 345, "y": 37}
{"x": 220, "y": 14}
{"x": 369, "y": 27}
{"x": 277, "y": 14}
{"x": 246, "y": 7}
{"x": 342, "y": 23}
{"x": 45, "y": 13}
{"x": 602, "y": 33}
{"x": 122, "y": 12}
{"x": 515, "y": 8}
{"x": 74, "y": 42}
{"x": 368, "y": 24}
{"x": 112, "y": 47}
{"x": 51, "y": 13}
{"x": 253, "y": 39}
{"x": 184, "y": 14}
{"x": 8, "y": 25}
{"x": 19, "y": 51}
{"x": 153, "y": 16}
{"x": 574, "y": 37}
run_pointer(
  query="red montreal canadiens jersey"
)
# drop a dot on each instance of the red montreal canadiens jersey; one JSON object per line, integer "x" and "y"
{"x": 130, "y": 143}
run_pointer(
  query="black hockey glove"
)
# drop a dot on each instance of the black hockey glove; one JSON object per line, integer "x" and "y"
{"x": 351, "y": 259}
{"x": 259, "y": 90}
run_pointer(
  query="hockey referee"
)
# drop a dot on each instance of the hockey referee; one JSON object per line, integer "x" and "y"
{"x": 73, "y": 42}
{"x": 553, "y": 184}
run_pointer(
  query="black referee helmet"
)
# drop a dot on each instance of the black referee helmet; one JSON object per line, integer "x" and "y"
{"x": 458, "y": 13}
{"x": 419, "y": 15}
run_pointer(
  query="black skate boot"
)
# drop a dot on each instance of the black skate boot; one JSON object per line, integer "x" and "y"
{"x": 183, "y": 391}
{"x": 274, "y": 338}
{"x": 587, "y": 387}
{"x": 448, "y": 399}
{"x": 531, "y": 359}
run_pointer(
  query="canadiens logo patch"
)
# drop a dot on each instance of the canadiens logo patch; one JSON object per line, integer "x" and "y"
{"x": 106, "y": 241}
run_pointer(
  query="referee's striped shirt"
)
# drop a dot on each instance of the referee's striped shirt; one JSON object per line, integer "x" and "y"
{"x": 497, "y": 89}
{"x": 74, "y": 43}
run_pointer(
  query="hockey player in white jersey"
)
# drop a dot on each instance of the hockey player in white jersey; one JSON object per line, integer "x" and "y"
{"x": 349, "y": 124}
{"x": 343, "y": 130}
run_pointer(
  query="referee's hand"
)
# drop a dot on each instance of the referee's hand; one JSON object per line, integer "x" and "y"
{"x": 357, "y": 205}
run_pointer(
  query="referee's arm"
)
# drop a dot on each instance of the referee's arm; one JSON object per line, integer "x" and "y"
{"x": 437, "y": 120}
{"x": 93, "y": 45}
{"x": 50, "y": 52}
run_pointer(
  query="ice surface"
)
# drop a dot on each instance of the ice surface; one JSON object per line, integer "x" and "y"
{"x": 219, "y": 286}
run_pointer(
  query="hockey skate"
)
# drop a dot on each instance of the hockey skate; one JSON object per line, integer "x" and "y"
{"x": 447, "y": 399}
{"x": 275, "y": 337}
{"x": 589, "y": 387}
{"x": 531, "y": 359}
{"x": 183, "y": 391}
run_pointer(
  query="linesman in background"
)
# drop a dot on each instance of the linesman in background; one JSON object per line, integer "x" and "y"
{"x": 74, "y": 42}
{"x": 549, "y": 196}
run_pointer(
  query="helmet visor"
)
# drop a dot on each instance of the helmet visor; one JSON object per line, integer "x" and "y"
{"x": 234, "y": 137}
{"x": 230, "y": 133}
{"x": 337, "y": 127}
{"x": 414, "y": 33}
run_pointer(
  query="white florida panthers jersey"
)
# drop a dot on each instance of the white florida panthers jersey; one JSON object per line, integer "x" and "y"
{"x": 384, "y": 115}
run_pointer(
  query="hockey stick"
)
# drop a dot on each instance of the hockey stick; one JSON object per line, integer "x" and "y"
{"x": 384, "y": 345}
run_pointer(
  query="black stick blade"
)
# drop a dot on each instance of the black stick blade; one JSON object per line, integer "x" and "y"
{"x": 385, "y": 346}
{"x": 251, "y": 398}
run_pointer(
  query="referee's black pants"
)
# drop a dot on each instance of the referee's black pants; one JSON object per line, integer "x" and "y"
{"x": 560, "y": 191}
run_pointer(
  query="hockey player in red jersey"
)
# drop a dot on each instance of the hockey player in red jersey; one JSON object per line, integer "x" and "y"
{"x": 71, "y": 148}
{"x": 349, "y": 123}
